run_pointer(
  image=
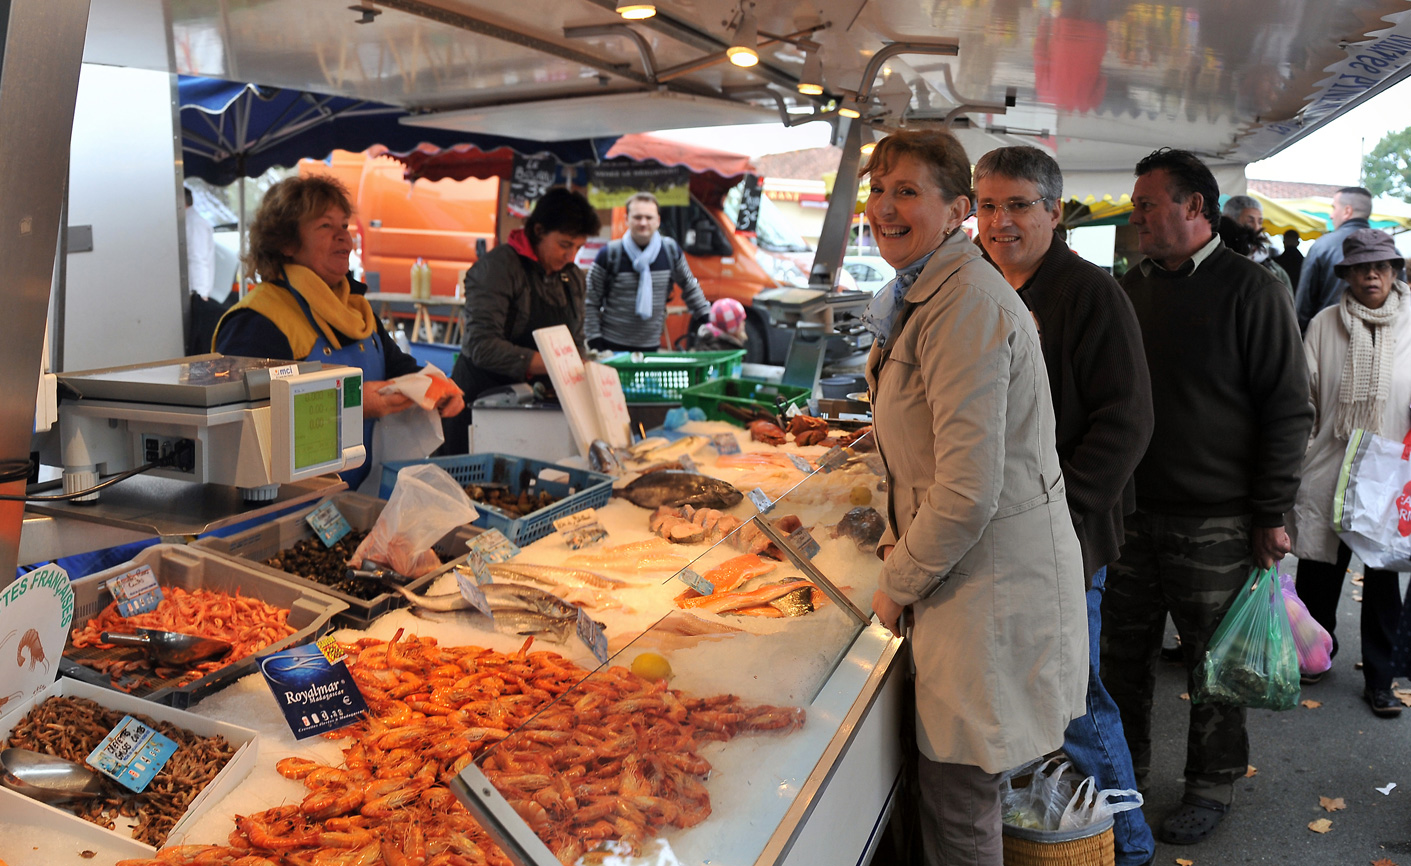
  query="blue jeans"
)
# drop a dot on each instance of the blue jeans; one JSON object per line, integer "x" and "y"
{"x": 1097, "y": 747}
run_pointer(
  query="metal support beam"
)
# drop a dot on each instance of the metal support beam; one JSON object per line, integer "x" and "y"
{"x": 39, "y": 66}
{"x": 833, "y": 237}
{"x": 649, "y": 61}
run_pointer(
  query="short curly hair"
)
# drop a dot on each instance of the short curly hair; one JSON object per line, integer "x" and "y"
{"x": 562, "y": 210}
{"x": 937, "y": 148}
{"x": 276, "y": 223}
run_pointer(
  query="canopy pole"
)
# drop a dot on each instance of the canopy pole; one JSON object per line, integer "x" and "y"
{"x": 240, "y": 266}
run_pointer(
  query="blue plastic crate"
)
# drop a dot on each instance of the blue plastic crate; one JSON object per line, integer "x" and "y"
{"x": 443, "y": 355}
{"x": 583, "y": 489}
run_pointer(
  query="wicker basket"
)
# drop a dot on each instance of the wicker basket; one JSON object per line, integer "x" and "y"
{"x": 1090, "y": 846}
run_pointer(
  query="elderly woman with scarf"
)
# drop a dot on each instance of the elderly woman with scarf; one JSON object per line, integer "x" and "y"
{"x": 1359, "y": 363}
{"x": 308, "y": 308}
{"x": 979, "y": 544}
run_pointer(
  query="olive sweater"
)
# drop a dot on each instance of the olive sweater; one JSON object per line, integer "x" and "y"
{"x": 1229, "y": 386}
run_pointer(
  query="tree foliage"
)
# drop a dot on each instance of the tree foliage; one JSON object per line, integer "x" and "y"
{"x": 1387, "y": 169}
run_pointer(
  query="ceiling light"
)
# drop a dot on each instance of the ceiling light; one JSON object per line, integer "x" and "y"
{"x": 811, "y": 81}
{"x": 868, "y": 148}
{"x": 744, "y": 48}
{"x": 849, "y": 108}
{"x": 635, "y": 10}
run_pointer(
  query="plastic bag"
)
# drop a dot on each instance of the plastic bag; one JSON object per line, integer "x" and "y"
{"x": 1090, "y": 806}
{"x": 426, "y": 504}
{"x": 1040, "y": 805}
{"x": 1315, "y": 645}
{"x": 1251, "y": 660}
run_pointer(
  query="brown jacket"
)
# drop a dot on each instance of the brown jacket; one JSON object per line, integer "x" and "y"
{"x": 985, "y": 550}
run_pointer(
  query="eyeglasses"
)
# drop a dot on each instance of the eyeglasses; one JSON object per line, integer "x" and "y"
{"x": 1013, "y": 208}
{"x": 1362, "y": 269}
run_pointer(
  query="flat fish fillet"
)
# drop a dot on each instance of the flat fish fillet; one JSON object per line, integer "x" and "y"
{"x": 733, "y": 572}
{"x": 721, "y": 602}
{"x": 652, "y": 555}
{"x": 552, "y": 575}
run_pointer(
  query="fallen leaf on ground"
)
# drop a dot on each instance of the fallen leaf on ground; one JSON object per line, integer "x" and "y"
{"x": 1250, "y": 770}
{"x": 1357, "y": 580}
{"x": 1311, "y": 704}
{"x": 1185, "y": 696}
{"x": 1356, "y": 597}
{"x": 1403, "y": 695}
{"x": 1383, "y": 862}
{"x": 1388, "y": 788}
{"x": 1322, "y": 825}
{"x": 1332, "y": 804}
{"x": 1181, "y": 862}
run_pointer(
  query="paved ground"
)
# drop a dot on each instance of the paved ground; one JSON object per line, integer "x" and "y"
{"x": 1337, "y": 750}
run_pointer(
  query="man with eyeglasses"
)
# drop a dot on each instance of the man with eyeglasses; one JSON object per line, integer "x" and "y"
{"x": 1229, "y": 384}
{"x": 1102, "y": 404}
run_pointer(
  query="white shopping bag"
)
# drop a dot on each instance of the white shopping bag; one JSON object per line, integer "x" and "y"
{"x": 1372, "y": 502}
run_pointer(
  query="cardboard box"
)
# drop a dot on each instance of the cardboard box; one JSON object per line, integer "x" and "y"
{"x": 66, "y": 835}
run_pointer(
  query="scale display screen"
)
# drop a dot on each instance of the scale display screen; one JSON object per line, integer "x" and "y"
{"x": 315, "y": 428}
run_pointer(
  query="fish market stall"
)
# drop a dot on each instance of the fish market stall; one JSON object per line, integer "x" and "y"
{"x": 747, "y": 712}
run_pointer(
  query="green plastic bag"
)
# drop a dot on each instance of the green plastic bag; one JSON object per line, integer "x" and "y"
{"x": 1252, "y": 660}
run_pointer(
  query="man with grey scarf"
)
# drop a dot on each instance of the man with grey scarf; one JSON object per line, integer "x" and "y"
{"x": 629, "y": 281}
{"x": 1359, "y": 362}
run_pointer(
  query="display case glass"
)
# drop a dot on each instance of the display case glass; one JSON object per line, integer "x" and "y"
{"x": 693, "y": 741}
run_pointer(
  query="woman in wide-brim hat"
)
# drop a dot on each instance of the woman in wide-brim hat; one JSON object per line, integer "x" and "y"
{"x": 1359, "y": 366}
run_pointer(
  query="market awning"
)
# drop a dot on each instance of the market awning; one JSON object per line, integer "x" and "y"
{"x": 1279, "y": 217}
{"x": 1320, "y": 209}
{"x": 698, "y": 159}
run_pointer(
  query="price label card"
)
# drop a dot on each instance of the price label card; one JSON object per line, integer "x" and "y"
{"x": 135, "y": 591}
{"x": 328, "y": 523}
{"x": 725, "y": 443}
{"x": 479, "y": 569}
{"x": 831, "y": 460}
{"x": 493, "y": 546}
{"x": 760, "y": 500}
{"x": 695, "y": 581}
{"x": 132, "y": 754}
{"x": 581, "y": 529}
{"x": 804, "y": 542}
{"x": 316, "y": 694}
{"x": 687, "y": 463}
{"x": 471, "y": 592}
{"x": 591, "y": 633}
{"x": 801, "y": 463}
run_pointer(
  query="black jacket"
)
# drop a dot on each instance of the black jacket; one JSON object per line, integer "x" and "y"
{"x": 1101, "y": 393}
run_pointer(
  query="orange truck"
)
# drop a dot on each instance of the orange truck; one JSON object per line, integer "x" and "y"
{"x": 441, "y": 222}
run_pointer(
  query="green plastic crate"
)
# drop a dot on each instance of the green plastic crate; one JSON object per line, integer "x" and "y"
{"x": 666, "y": 375}
{"x": 745, "y": 393}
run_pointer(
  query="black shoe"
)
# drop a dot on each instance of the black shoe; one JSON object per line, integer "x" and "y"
{"x": 1311, "y": 679}
{"x": 1382, "y": 702}
{"x": 1172, "y": 653}
{"x": 1196, "y": 819}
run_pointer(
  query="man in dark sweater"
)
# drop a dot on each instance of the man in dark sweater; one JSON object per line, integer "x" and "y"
{"x": 1097, "y": 375}
{"x": 1230, "y": 388}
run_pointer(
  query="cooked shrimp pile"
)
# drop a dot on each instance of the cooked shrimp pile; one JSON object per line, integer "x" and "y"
{"x": 616, "y": 760}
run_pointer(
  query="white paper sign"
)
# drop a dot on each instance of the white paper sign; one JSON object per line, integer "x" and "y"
{"x": 570, "y": 380}
{"x": 36, "y": 612}
{"x": 614, "y": 423}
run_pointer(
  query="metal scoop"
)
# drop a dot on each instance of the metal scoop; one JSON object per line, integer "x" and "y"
{"x": 169, "y": 648}
{"x": 47, "y": 778}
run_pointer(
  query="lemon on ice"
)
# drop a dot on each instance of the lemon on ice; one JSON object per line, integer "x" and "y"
{"x": 651, "y": 666}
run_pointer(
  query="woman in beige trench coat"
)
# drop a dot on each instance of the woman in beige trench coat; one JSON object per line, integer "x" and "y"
{"x": 980, "y": 545}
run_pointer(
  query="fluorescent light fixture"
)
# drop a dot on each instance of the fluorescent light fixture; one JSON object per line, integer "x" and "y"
{"x": 744, "y": 48}
{"x": 849, "y": 108}
{"x": 634, "y": 10}
{"x": 811, "y": 81}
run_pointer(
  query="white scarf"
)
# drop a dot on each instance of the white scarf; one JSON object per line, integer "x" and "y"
{"x": 642, "y": 263}
{"x": 1367, "y": 369}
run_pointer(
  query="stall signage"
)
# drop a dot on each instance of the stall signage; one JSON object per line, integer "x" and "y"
{"x": 747, "y": 219}
{"x": 801, "y": 463}
{"x": 530, "y": 178}
{"x": 833, "y": 459}
{"x": 135, "y": 591}
{"x": 612, "y": 183}
{"x": 803, "y": 540}
{"x": 37, "y": 608}
{"x": 725, "y": 443}
{"x": 591, "y": 633}
{"x": 695, "y": 581}
{"x": 760, "y": 500}
{"x": 328, "y": 523}
{"x": 687, "y": 463}
{"x": 287, "y": 371}
{"x": 581, "y": 529}
{"x": 313, "y": 688}
{"x": 469, "y": 586}
{"x": 493, "y": 546}
{"x": 132, "y": 754}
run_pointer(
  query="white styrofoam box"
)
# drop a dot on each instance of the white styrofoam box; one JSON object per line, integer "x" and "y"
{"x": 69, "y": 829}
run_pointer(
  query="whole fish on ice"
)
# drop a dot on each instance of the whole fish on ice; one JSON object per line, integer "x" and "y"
{"x": 675, "y": 489}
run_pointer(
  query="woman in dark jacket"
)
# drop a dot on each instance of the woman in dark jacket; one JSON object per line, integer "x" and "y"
{"x": 527, "y": 283}
{"x": 307, "y": 307}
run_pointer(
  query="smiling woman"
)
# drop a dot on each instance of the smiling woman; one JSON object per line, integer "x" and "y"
{"x": 307, "y": 307}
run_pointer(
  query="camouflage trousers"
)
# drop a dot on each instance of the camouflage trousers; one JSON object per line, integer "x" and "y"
{"x": 1190, "y": 567}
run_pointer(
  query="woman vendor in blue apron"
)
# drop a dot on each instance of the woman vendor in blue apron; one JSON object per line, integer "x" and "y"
{"x": 308, "y": 308}
{"x": 528, "y": 282}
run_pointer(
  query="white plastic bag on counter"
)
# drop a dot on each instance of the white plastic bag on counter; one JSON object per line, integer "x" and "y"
{"x": 426, "y": 504}
{"x": 1089, "y": 806}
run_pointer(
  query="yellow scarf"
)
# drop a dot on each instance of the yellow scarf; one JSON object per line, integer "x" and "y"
{"x": 335, "y": 310}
